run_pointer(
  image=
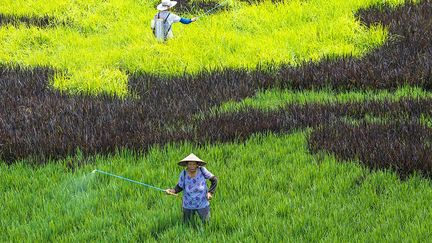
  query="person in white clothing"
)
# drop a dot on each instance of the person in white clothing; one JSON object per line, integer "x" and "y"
{"x": 168, "y": 18}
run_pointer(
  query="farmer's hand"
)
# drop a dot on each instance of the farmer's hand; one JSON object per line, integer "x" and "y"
{"x": 194, "y": 19}
{"x": 170, "y": 192}
{"x": 209, "y": 196}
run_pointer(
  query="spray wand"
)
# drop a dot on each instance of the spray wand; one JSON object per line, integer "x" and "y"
{"x": 124, "y": 178}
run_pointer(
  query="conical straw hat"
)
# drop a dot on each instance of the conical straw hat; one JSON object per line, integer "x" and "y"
{"x": 191, "y": 158}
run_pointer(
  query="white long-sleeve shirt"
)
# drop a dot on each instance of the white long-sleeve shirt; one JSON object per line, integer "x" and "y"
{"x": 171, "y": 19}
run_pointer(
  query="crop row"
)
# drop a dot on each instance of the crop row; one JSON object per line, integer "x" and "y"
{"x": 240, "y": 125}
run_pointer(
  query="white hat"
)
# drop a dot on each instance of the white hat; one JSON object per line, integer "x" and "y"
{"x": 191, "y": 158}
{"x": 166, "y": 4}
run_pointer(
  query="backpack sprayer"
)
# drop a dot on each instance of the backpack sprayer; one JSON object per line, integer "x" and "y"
{"x": 124, "y": 178}
{"x": 161, "y": 27}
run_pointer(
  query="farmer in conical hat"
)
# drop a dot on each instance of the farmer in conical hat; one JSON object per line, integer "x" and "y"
{"x": 192, "y": 182}
{"x": 168, "y": 18}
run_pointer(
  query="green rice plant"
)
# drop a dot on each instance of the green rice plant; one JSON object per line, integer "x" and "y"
{"x": 276, "y": 99}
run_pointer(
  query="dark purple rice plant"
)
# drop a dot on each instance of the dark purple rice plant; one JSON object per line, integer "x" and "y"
{"x": 403, "y": 147}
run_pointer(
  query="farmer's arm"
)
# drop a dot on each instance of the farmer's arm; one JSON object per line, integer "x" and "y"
{"x": 187, "y": 21}
{"x": 213, "y": 185}
{"x": 175, "y": 18}
{"x": 174, "y": 191}
{"x": 179, "y": 187}
{"x": 213, "y": 179}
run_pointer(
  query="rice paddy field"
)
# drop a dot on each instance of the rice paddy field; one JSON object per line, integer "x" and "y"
{"x": 316, "y": 117}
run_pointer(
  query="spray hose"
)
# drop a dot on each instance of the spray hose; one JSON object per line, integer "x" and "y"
{"x": 124, "y": 178}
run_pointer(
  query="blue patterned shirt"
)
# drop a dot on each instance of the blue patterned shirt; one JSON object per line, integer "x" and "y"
{"x": 195, "y": 189}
